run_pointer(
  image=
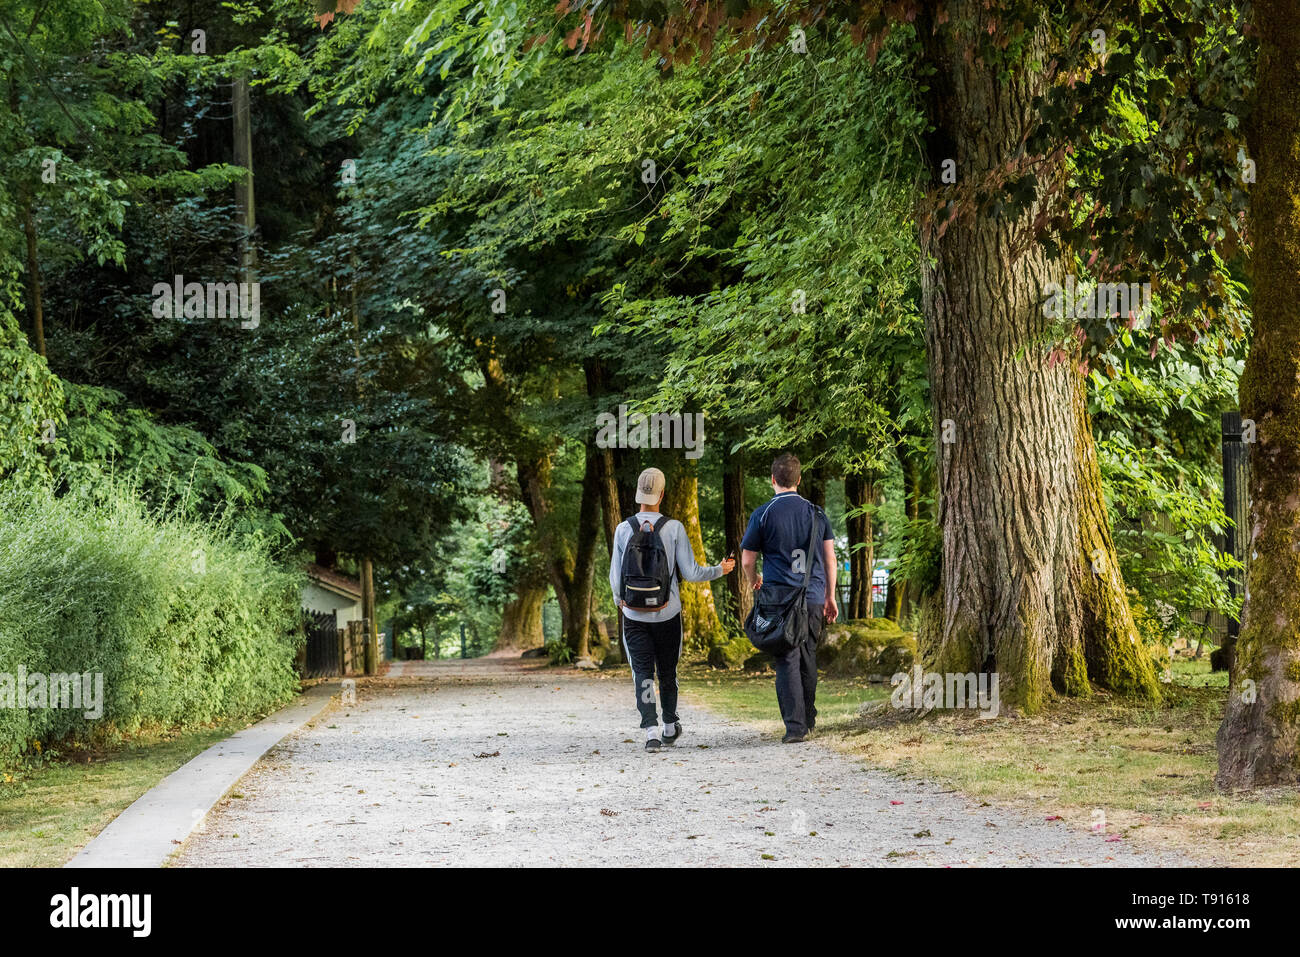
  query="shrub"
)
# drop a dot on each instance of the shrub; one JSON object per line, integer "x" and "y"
{"x": 187, "y": 622}
{"x": 558, "y": 652}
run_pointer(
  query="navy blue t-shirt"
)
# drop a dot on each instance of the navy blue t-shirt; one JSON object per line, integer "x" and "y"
{"x": 779, "y": 531}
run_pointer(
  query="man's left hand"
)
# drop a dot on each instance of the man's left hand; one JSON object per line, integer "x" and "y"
{"x": 832, "y": 609}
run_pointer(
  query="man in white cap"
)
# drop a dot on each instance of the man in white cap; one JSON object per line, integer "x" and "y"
{"x": 651, "y": 553}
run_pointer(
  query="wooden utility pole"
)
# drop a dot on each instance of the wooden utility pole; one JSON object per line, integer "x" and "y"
{"x": 35, "y": 297}
{"x": 368, "y": 613}
{"x": 245, "y": 208}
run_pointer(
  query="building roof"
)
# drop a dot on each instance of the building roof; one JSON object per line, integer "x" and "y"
{"x": 335, "y": 581}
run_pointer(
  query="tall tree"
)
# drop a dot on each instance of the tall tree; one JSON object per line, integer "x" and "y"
{"x": 701, "y": 627}
{"x": 1259, "y": 740}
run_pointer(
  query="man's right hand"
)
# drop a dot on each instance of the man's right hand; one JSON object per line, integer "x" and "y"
{"x": 757, "y": 583}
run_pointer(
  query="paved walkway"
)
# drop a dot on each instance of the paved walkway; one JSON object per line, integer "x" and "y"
{"x": 505, "y": 762}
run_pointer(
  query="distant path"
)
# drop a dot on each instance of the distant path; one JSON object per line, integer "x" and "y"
{"x": 563, "y": 779}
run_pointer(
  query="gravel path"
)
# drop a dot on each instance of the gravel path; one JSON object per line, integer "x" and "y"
{"x": 500, "y": 762}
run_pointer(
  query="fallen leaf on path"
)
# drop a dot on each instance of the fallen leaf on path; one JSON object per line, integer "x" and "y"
{"x": 494, "y": 754}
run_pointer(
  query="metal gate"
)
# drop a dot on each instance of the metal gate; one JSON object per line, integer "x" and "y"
{"x": 322, "y": 658}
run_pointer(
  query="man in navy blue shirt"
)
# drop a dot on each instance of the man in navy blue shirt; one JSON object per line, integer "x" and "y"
{"x": 779, "y": 531}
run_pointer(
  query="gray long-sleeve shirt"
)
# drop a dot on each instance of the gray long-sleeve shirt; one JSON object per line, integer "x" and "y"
{"x": 680, "y": 556}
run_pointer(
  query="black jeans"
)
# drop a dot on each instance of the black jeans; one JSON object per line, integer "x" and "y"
{"x": 654, "y": 646}
{"x": 796, "y": 677}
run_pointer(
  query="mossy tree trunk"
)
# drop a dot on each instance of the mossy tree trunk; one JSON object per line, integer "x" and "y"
{"x": 1259, "y": 740}
{"x": 570, "y": 568}
{"x": 582, "y": 574}
{"x": 739, "y": 598}
{"x": 1030, "y": 587}
{"x": 521, "y": 620}
{"x": 859, "y": 492}
{"x": 701, "y": 627}
{"x": 610, "y": 510}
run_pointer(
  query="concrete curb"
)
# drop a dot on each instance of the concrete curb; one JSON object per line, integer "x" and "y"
{"x": 154, "y": 827}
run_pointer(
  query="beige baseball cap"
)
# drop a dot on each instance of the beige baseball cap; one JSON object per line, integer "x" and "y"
{"x": 649, "y": 487}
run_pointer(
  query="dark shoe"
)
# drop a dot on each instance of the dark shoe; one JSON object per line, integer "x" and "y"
{"x": 793, "y": 738}
{"x": 652, "y": 745}
{"x": 677, "y": 733}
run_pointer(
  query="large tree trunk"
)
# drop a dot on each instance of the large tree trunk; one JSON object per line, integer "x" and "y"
{"x": 859, "y": 492}
{"x": 610, "y": 511}
{"x": 610, "y": 514}
{"x": 739, "y": 598}
{"x": 701, "y": 627}
{"x": 578, "y": 628}
{"x": 626, "y": 465}
{"x": 1259, "y": 740}
{"x": 813, "y": 486}
{"x": 521, "y": 620}
{"x": 534, "y": 488}
{"x": 1030, "y": 585}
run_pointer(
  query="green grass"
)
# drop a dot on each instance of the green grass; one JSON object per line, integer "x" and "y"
{"x": 1197, "y": 674}
{"x": 752, "y": 697}
{"x": 49, "y": 812}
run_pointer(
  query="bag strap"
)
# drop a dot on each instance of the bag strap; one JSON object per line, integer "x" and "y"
{"x": 812, "y": 540}
{"x": 672, "y": 559}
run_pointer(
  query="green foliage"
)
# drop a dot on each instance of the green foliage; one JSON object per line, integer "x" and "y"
{"x": 1158, "y": 427}
{"x": 31, "y": 402}
{"x": 918, "y": 543}
{"x": 186, "y": 622}
{"x": 559, "y": 652}
{"x": 169, "y": 465}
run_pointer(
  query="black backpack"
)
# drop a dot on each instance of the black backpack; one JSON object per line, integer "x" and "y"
{"x": 646, "y": 581}
{"x": 779, "y": 620}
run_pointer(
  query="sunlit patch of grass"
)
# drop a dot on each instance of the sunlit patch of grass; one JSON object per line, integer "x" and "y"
{"x": 48, "y": 813}
{"x": 752, "y": 697}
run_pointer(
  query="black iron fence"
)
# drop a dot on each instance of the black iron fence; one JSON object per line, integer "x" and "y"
{"x": 322, "y": 652}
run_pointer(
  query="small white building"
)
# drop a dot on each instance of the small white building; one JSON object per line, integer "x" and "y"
{"x": 331, "y": 592}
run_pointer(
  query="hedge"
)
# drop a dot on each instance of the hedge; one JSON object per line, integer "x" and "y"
{"x": 186, "y": 622}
